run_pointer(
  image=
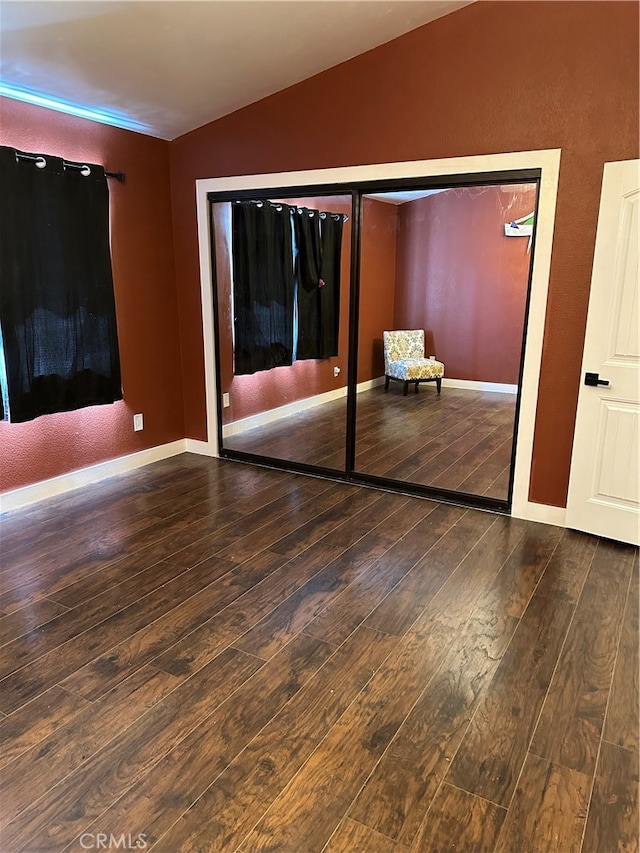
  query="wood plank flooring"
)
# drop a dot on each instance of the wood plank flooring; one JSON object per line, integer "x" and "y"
{"x": 458, "y": 440}
{"x": 206, "y": 656}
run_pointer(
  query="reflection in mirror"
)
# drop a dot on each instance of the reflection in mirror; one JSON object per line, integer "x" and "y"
{"x": 282, "y": 291}
{"x": 451, "y": 266}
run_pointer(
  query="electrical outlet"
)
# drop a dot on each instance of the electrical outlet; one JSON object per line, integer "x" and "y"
{"x": 226, "y": 402}
{"x": 336, "y": 371}
{"x": 138, "y": 423}
{"x": 432, "y": 358}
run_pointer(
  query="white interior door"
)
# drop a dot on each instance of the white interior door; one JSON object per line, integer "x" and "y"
{"x": 603, "y": 487}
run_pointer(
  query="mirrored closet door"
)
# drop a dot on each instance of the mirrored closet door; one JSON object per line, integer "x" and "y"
{"x": 375, "y": 333}
{"x": 281, "y": 284}
{"x": 444, "y": 281}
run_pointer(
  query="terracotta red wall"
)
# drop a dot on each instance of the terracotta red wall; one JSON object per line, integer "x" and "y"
{"x": 269, "y": 389}
{"x": 463, "y": 281}
{"x": 491, "y": 77}
{"x": 377, "y": 284}
{"x": 146, "y": 305}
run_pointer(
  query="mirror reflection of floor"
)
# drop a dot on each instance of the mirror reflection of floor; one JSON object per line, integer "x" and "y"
{"x": 459, "y": 440}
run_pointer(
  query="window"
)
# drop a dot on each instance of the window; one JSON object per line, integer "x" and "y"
{"x": 57, "y": 308}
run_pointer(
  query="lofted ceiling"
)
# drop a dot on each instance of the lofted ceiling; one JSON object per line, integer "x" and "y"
{"x": 403, "y": 196}
{"x": 165, "y": 67}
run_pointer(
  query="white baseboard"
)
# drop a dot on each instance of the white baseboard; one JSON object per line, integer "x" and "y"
{"x": 74, "y": 479}
{"x": 369, "y": 384}
{"x": 272, "y": 415}
{"x": 472, "y": 385}
{"x": 297, "y": 406}
{"x": 203, "y": 448}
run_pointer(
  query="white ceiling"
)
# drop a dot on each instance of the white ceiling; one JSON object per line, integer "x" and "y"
{"x": 403, "y": 196}
{"x": 166, "y": 67}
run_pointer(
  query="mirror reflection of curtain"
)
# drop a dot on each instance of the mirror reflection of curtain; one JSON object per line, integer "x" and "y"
{"x": 319, "y": 244}
{"x": 57, "y": 307}
{"x": 307, "y": 234}
{"x": 268, "y": 284}
{"x": 331, "y": 242}
{"x": 263, "y": 286}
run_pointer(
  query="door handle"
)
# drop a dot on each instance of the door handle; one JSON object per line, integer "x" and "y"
{"x": 594, "y": 380}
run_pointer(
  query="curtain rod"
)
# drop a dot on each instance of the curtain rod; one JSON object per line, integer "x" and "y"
{"x": 41, "y": 162}
{"x": 278, "y": 205}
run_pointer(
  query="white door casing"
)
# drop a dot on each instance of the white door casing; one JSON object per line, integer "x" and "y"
{"x": 547, "y": 160}
{"x": 604, "y": 482}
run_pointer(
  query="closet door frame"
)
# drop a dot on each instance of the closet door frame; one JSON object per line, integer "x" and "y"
{"x": 541, "y": 166}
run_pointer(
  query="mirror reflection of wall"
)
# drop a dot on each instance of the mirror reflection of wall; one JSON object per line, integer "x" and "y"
{"x": 286, "y": 397}
{"x": 442, "y": 261}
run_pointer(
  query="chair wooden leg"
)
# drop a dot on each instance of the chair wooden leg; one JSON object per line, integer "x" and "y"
{"x": 438, "y": 384}
{"x": 406, "y": 388}
{"x": 416, "y": 388}
{"x": 386, "y": 383}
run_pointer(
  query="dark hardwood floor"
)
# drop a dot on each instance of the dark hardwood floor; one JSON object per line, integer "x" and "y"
{"x": 206, "y": 656}
{"x": 458, "y": 440}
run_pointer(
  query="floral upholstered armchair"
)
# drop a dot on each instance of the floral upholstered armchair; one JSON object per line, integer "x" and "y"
{"x": 404, "y": 360}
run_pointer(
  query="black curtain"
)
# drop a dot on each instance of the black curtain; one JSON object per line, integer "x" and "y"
{"x": 263, "y": 286}
{"x": 57, "y": 307}
{"x": 319, "y": 244}
{"x": 309, "y": 259}
{"x": 331, "y": 246}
